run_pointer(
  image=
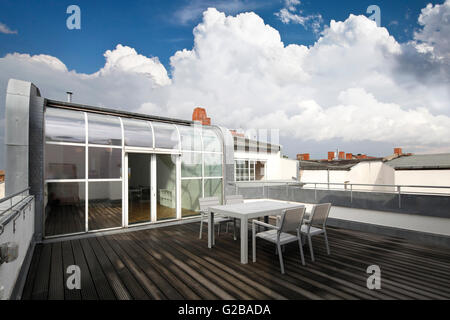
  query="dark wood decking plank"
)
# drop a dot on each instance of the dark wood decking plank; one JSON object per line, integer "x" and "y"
{"x": 88, "y": 291}
{"x": 40, "y": 288}
{"x": 31, "y": 276}
{"x": 173, "y": 275}
{"x": 151, "y": 289}
{"x": 114, "y": 271}
{"x": 56, "y": 286}
{"x": 101, "y": 284}
{"x": 68, "y": 260}
{"x": 139, "y": 257}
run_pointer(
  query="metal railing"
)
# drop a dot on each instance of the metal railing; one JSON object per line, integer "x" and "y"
{"x": 350, "y": 188}
{"x": 12, "y": 205}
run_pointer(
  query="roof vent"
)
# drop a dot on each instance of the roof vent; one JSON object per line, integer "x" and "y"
{"x": 69, "y": 96}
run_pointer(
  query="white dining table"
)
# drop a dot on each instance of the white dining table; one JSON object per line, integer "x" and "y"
{"x": 244, "y": 212}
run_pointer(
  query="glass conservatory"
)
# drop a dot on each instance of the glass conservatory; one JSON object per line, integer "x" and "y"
{"x": 104, "y": 171}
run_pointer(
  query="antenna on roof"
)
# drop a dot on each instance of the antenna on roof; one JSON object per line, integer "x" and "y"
{"x": 69, "y": 96}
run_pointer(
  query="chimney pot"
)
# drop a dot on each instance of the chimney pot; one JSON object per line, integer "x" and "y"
{"x": 199, "y": 114}
{"x": 330, "y": 155}
{"x": 349, "y": 156}
{"x": 69, "y": 96}
{"x": 398, "y": 151}
{"x": 341, "y": 155}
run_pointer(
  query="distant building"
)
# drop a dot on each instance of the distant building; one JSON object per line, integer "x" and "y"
{"x": 397, "y": 169}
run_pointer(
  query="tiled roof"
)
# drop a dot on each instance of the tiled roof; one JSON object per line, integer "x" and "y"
{"x": 421, "y": 161}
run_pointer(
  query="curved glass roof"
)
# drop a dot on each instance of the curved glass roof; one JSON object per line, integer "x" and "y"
{"x": 62, "y": 125}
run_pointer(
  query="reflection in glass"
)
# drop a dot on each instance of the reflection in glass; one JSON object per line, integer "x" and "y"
{"x": 65, "y": 208}
{"x": 166, "y": 135}
{"x": 138, "y": 187}
{"x": 64, "y": 125}
{"x": 211, "y": 141}
{"x": 191, "y": 164}
{"x": 166, "y": 186}
{"x": 105, "y": 163}
{"x": 213, "y": 164}
{"x": 105, "y": 205}
{"x": 191, "y": 191}
{"x": 138, "y": 133}
{"x": 64, "y": 162}
{"x": 213, "y": 188}
{"x": 190, "y": 138}
{"x": 103, "y": 129}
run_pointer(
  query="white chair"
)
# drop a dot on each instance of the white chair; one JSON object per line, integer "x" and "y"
{"x": 205, "y": 203}
{"x": 291, "y": 220}
{"x": 316, "y": 225}
{"x": 234, "y": 199}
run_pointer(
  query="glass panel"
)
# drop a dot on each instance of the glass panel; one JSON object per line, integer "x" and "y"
{"x": 211, "y": 141}
{"x": 166, "y": 186}
{"x": 65, "y": 207}
{"x": 213, "y": 164}
{"x": 213, "y": 188}
{"x": 105, "y": 205}
{"x": 191, "y": 164}
{"x": 166, "y": 135}
{"x": 64, "y": 125}
{"x": 191, "y": 191}
{"x": 190, "y": 138}
{"x": 105, "y": 163}
{"x": 260, "y": 170}
{"x": 138, "y": 133}
{"x": 139, "y": 200}
{"x": 104, "y": 129}
{"x": 64, "y": 162}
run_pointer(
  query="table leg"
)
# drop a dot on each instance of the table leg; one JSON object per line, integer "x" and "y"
{"x": 244, "y": 241}
{"x": 210, "y": 229}
{"x": 266, "y": 220}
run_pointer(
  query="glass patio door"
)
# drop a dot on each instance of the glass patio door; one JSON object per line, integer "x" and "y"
{"x": 139, "y": 187}
{"x": 152, "y": 185}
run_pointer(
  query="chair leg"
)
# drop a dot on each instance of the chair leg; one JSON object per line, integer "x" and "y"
{"x": 218, "y": 229}
{"x": 201, "y": 229}
{"x": 254, "y": 242}
{"x": 280, "y": 256}
{"x": 301, "y": 248}
{"x": 326, "y": 241}
{"x": 226, "y": 229}
{"x": 310, "y": 247}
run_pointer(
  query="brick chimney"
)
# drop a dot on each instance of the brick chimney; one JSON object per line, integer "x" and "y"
{"x": 341, "y": 155}
{"x": 398, "y": 151}
{"x": 303, "y": 156}
{"x": 349, "y": 156}
{"x": 199, "y": 114}
{"x": 330, "y": 155}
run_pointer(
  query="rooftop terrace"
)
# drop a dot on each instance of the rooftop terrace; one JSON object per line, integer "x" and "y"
{"x": 172, "y": 263}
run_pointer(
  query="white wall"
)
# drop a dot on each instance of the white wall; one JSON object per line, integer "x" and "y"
{"x": 423, "y": 178}
{"x": 371, "y": 172}
{"x": 23, "y": 234}
{"x": 277, "y": 168}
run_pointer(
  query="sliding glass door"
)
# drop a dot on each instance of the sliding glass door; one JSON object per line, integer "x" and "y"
{"x": 139, "y": 187}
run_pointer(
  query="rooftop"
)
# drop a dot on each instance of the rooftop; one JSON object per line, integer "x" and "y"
{"x": 172, "y": 263}
{"x": 421, "y": 161}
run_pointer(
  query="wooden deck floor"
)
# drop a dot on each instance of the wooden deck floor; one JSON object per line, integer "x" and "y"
{"x": 172, "y": 263}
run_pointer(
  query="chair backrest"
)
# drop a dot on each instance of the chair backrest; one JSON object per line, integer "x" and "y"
{"x": 205, "y": 203}
{"x": 291, "y": 219}
{"x": 234, "y": 199}
{"x": 319, "y": 214}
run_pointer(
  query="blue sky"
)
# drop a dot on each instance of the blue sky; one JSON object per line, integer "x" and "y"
{"x": 160, "y": 28}
{"x": 368, "y": 89}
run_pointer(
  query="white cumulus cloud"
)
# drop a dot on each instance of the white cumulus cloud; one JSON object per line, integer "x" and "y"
{"x": 356, "y": 83}
{"x": 6, "y": 30}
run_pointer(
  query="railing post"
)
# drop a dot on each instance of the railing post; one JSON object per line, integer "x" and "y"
{"x": 287, "y": 192}
{"x": 315, "y": 191}
{"x": 399, "y": 197}
{"x": 351, "y": 193}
